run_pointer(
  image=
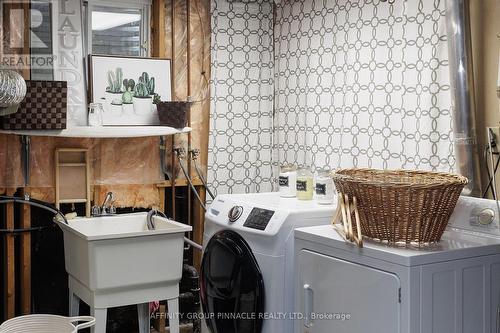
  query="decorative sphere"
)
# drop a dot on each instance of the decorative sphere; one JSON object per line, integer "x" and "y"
{"x": 12, "y": 91}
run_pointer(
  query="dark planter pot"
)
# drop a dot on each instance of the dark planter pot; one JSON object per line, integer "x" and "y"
{"x": 173, "y": 114}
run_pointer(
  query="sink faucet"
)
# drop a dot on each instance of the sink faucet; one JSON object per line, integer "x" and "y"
{"x": 107, "y": 207}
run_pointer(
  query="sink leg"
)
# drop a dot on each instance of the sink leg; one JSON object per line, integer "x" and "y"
{"x": 173, "y": 315}
{"x": 100, "y": 320}
{"x": 143, "y": 313}
{"x": 74, "y": 304}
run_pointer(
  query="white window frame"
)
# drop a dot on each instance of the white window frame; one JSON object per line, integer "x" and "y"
{"x": 143, "y": 5}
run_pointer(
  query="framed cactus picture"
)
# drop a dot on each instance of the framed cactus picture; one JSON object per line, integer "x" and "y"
{"x": 129, "y": 88}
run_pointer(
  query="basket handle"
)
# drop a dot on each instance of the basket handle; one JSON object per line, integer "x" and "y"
{"x": 344, "y": 212}
{"x": 338, "y": 212}
{"x": 359, "y": 237}
{"x": 89, "y": 321}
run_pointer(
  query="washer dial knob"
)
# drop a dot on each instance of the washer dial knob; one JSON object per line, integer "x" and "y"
{"x": 486, "y": 216}
{"x": 235, "y": 213}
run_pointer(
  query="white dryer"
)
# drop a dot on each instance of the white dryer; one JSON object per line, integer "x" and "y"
{"x": 247, "y": 267}
{"x": 449, "y": 287}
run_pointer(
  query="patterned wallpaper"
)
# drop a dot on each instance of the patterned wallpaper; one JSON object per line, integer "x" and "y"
{"x": 356, "y": 83}
{"x": 363, "y": 83}
{"x": 241, "y": 119}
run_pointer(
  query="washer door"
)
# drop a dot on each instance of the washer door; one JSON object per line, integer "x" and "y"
{"x": 232, "y": 288}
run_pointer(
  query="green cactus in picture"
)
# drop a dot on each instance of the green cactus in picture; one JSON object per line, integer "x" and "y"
{"x": 127, "y": 96}
{"x": 151, "y": 86}
{"x": 148, "y": 82}
{"x": 115, "y": 81}
{"x": 141, "y": 91}
{"x": 144, "y": 78}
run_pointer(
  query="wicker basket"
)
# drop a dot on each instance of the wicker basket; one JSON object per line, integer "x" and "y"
{"x": 173, "y": 114}
{"x": 400, "y": 206}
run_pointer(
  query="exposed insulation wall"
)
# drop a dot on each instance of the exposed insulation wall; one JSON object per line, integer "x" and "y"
{"x": 191, "y": 72}
{"x": 129, "y": 167}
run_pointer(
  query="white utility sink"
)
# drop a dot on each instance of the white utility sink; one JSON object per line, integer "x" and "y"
{"x": 115, "y": 260}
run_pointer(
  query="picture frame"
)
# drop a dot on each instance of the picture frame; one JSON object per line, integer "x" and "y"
{"x": 129, "y": 88}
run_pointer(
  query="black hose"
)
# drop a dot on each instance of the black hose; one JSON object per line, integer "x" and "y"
{"x": 490, "y": 176}
{"x": 163, "y": 148}
{"x": 190, "y": 283}
{"x": 25, "y": 230}
{"x": 150, "y": 220}
{"x": 33, "y": 202}
{"x": 151, "y": 226}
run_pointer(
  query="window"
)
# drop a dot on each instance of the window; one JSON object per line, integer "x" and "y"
{"x": 41, "y": 39}
{"x": 118, "y": 27}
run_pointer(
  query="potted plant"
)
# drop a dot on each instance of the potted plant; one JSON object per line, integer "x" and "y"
{"x": 128, "y": 96}
{"x": 174, "y": 114}
{"x": 114, "y": 91}
{"x": 142, "y": 100}
{"x": 156, "y": 101}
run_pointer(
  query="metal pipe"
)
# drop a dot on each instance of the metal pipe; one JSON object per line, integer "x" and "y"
{"x": 193, "y": 244}
{"x": 194, "y": 156}
{"x": 184, "y": 170}
{"x": 25, "y": 157}
{"x": 462, "y": 89}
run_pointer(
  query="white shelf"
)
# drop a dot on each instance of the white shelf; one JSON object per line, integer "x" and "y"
{"x": 104, "y": 132}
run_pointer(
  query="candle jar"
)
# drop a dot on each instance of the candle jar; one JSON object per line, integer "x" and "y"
{"x": 304, "y": 184}
{"x": 288, "y": 181}
{"x": 95, "y": 114}
{"x": 324, "y": 187}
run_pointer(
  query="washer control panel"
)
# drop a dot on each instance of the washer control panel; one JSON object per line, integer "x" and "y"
{"x": 259, "y": 218}
{"x": 246, "y": 217}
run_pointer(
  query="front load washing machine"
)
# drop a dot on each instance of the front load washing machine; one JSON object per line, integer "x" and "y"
{"x": 247, "y": 267}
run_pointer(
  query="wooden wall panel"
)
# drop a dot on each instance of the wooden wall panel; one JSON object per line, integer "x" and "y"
{"x": 187, "y": 43}
{"x": 9, "y": 272}
{"x": 25, "y": 259}
{"x": 179, "y": 50}
{"x": 200, "y": 76}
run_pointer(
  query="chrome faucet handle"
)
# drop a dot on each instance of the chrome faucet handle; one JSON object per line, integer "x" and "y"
{"x": 108, "y": 200}
{"x": 96, "y": 210}
{"x": 112, "y": 209}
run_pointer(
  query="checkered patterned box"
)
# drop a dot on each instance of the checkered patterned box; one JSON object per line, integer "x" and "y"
{"x": 43, "y": 108}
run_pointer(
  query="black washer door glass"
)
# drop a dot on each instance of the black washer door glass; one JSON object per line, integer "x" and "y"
{"x": 232, "y": 288}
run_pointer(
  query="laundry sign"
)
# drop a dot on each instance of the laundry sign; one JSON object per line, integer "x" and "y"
{"x": 69, "y": 63}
